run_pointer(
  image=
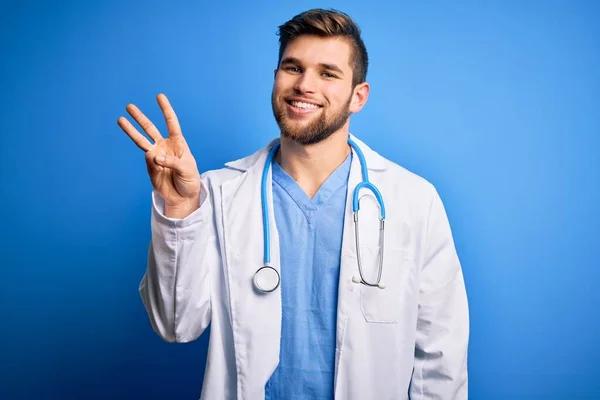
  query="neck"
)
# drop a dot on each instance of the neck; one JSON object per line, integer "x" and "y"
{"x": 311, "y": 165}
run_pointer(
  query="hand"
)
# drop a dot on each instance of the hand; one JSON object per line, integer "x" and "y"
{"x": 170, "y": 163}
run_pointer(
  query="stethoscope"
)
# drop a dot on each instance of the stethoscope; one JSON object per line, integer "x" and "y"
{"x": 267, "y": 278}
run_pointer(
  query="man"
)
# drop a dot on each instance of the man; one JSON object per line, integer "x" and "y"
{"x": 338, "y": 315}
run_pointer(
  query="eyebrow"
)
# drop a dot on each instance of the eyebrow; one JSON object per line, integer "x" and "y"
{"x": 294, "y": 60}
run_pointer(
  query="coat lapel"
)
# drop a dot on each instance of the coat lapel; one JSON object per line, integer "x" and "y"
{"x": 256, "y": 317}
{"x": 349, "y": 293}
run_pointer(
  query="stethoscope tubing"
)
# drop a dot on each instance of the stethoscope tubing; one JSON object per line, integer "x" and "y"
{"x": 265, "y": 206}
{"x": 366, "y": 184}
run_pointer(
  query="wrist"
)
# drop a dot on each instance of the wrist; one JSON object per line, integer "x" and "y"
{"x": 183, "y": 209}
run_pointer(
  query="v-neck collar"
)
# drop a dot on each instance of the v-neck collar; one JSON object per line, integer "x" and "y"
{"x": 337, "y": 179}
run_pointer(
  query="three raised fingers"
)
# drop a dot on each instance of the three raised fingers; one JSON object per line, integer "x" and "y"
{"x": 140, "y": 140}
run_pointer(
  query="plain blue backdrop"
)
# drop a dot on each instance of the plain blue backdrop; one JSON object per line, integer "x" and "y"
{"x": 497, "y": 103}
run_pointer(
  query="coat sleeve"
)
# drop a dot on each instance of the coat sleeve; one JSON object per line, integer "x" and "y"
{"x": 175, "y": 289}
{"x": 440, "y": 366}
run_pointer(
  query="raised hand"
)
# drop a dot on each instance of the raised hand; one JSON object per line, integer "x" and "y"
{"x": 170, "y": 163}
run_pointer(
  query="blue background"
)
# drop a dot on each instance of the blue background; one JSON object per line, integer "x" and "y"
{"x": 496, "y": 103}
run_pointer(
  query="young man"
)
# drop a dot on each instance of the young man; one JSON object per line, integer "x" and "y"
{"x": 323, "y": 304}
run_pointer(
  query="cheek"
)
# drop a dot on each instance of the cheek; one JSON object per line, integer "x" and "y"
{"x": 337, "y": 96}
{"x": 276, "y": 86}
{"x": 282, "y": 83}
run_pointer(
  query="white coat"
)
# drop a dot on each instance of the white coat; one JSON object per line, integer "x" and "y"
{"x": 408, "y": 340}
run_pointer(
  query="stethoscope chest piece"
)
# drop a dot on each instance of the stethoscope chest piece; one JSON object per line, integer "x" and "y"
{"x": 266, "y": 279}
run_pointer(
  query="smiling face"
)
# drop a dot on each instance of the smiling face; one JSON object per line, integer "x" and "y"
{"x": 313, "y": 95}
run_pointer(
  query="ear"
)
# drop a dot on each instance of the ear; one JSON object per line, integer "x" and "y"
{"x": 360, "y": 95}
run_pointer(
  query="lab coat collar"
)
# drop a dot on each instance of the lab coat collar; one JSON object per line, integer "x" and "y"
{"x": 375, "y": 162}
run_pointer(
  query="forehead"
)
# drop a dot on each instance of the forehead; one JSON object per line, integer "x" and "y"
{"x": 314, "y": 50}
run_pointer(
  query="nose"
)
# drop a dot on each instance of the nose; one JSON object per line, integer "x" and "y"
{"x": 306, "y": 83}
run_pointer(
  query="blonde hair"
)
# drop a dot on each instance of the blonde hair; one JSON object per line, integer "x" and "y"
{"x": 328, "y": 23}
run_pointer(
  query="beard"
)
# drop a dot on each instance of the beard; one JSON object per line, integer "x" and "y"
{"x": 320, "y": 129}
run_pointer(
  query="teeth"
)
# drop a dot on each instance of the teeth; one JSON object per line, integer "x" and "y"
{"x": 306, "y": 106}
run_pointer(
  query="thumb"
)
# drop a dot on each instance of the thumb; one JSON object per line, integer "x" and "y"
{"x": 168, "y": 161}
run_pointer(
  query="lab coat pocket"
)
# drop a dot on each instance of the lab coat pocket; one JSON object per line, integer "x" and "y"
{"x": 384, "y": 305}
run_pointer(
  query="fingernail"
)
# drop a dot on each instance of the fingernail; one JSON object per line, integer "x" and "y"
{"x": 160, "y": 159}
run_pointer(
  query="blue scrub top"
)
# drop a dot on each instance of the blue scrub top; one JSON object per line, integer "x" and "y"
{"x": 310, "y": 239}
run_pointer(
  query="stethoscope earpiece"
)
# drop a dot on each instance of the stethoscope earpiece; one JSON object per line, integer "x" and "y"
{"x": 356, "y": 279}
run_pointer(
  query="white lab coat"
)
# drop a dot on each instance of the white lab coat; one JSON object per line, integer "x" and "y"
{"x": 408, "y": 340}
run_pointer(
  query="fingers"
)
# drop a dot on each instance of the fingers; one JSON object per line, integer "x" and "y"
{"x": 144, "y": 122}
{"x": 139, "y": 139}
{"x": 170, "y": 116}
